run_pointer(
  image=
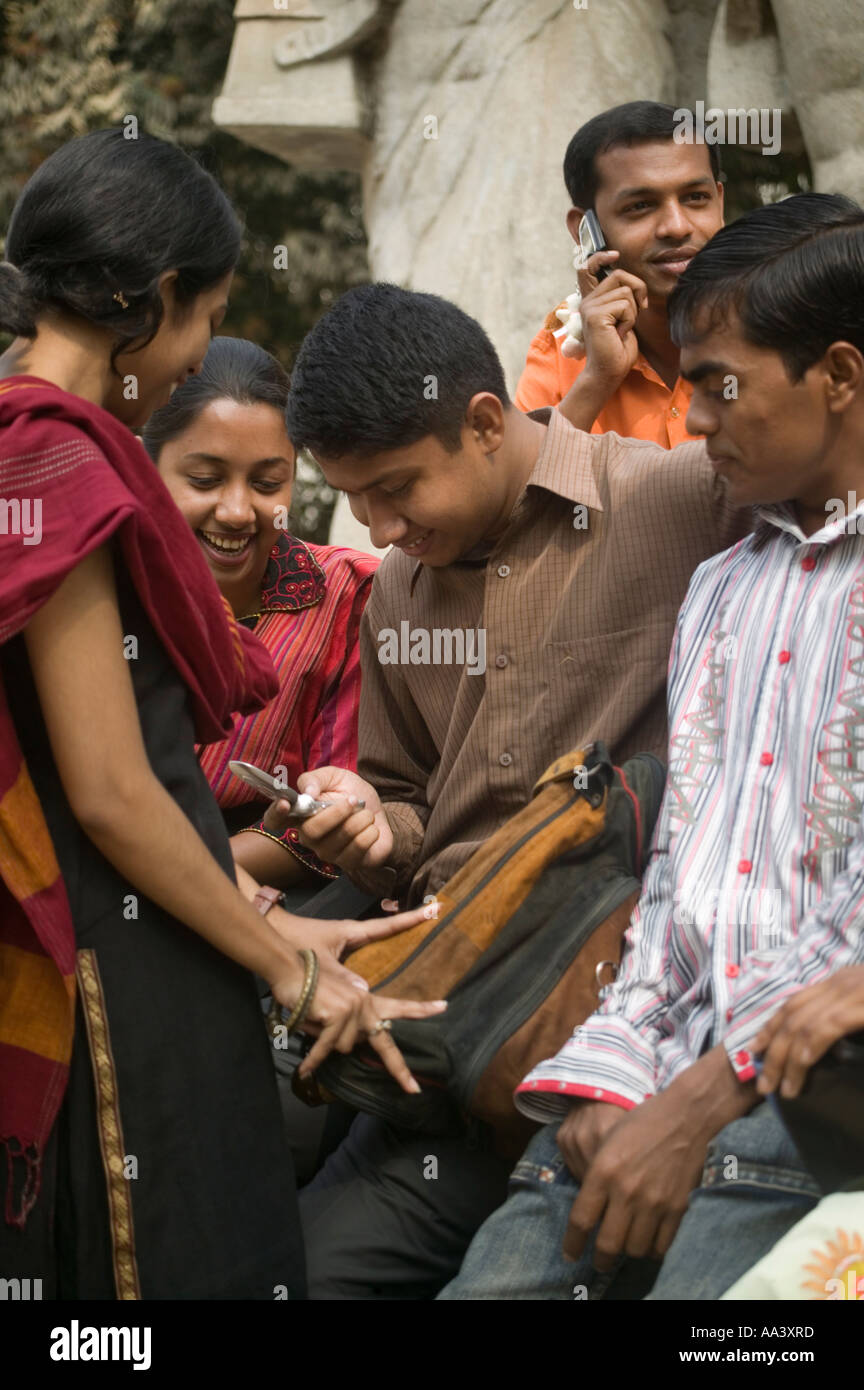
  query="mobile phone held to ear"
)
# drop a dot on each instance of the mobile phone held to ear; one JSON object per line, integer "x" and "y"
{"x": 591, "y": 239}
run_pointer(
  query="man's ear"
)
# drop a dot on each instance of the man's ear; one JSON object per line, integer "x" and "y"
{"x": 574, "y": 217}
{"x": 843, "y": 367}
{"x": 485, "y": 416}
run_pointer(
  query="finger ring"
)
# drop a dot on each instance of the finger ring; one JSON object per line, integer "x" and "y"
{"x": 384, "y": 1025}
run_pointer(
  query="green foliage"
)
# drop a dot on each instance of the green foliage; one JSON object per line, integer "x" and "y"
{"x": 70, "y": 66}
{"x": 753, "y": 179}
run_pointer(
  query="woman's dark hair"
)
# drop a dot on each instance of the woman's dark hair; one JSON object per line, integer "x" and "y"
{"x": 105, "y": 216}
{"x": 793, "y": 272}
{"x": 634, "y": 123}
{"x": 386, "y": 367}
{"x": 234, "y": 369}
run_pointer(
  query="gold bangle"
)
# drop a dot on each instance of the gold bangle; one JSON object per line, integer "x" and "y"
{"x": 301, "y": 1008}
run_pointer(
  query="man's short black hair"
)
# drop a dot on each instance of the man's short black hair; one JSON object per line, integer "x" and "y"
{"x": 634, "y": 123}
{"x": 386, "y": 367}
{"x": 793, "y": 272}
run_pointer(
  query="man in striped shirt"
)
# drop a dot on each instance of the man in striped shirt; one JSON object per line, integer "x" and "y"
{"x": 668, "y": 1149}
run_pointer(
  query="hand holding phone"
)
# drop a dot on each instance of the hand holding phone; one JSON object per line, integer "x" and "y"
{"x": 302, "y": 806}
{"x": 354, "y": 832}
{"x": 590, "y": 240}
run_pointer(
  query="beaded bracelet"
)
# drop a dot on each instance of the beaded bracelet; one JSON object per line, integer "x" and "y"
{"x": 301, "y": 1008}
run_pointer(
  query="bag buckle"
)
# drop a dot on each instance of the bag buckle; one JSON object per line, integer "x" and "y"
{"x": 591, "y": 782}
{"x": 603, "y": 991}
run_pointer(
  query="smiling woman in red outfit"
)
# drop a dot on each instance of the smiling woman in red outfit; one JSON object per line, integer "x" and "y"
{"x": 222, "y": 448}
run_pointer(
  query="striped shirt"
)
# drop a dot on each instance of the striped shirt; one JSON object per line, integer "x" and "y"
{"x": 755, "y": 887}
{"x": 575, "y": 607}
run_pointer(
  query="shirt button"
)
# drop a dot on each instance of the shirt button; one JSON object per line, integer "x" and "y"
{"x": 767, "y": 759}
{"x": 733, "y": 971}
{"x": 505, "y": 759}
{"x": 275, "y": 550}
{"x": 742, "y": 1058}
{"x": 744, "y": 866}
{"x": 674, "y": 412}
{"x": 784, "y": 657}
{"x": 809, "y": 563}
{"x": 501, "y": 660}
{"x": 728, "y": 1015}
{"x": 503, "y": 571}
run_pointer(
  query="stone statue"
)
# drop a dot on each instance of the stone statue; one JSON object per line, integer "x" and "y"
{"x": 458, "y": 112}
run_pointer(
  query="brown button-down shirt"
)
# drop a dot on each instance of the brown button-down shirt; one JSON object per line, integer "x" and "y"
{"x": 576, "y": 605}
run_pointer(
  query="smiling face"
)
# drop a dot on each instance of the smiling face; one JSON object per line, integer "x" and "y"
{"x": 228, "y": 472}
{"x": 658, "y": 204}
{"x": 434, "y": 505}
{"x": 770, "y": 438}
{"x": 177, "y": 351}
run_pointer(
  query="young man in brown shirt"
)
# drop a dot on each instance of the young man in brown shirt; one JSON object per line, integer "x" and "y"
{"x": 527, "y": 605}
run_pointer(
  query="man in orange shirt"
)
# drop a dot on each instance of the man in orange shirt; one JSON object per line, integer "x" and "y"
{"x": 658, "y": 202}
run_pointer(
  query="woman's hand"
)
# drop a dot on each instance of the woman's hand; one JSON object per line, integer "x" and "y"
{"x": 803, "y": 1029}
{"x": 332, "y": 940}
{"x": 343, "y": 1011}
{"x": 341, "y": 1015}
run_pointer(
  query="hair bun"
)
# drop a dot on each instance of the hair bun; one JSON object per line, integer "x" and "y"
{"x": 17, "y": 302}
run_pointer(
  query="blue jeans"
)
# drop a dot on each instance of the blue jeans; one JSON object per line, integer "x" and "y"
{"x": 754, "y": 1188}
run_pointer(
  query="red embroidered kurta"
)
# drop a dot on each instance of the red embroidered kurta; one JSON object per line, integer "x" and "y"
{"x": 312, "y": 599}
